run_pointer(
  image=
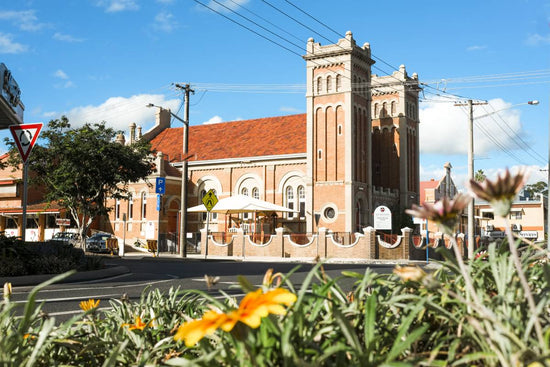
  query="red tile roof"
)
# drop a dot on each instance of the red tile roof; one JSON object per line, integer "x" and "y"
{"x": 432, "y": 184}
{"x": 246, "y": 138}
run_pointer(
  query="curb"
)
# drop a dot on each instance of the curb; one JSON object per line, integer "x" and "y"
{"x": 77, "y": 277}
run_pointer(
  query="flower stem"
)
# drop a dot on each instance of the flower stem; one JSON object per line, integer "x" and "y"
{"x": 523, "y": 281}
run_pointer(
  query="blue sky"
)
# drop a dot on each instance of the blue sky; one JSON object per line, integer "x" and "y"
{"x": 96, "y": 60}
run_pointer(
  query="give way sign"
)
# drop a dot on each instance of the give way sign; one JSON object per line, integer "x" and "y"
{"x": 25, "y": 136}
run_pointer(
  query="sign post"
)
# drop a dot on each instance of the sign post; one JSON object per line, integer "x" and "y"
{"x": 382, "y": 218}
{"x": 160, "y": 189}
{"x": 25, "y": 136}
{"x": 209, "y": 200}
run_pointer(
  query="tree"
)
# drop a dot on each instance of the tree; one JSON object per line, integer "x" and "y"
{"x": 80, "y": 168}
{"x": 479, "y": 176}
{"x": 536, "y": 188}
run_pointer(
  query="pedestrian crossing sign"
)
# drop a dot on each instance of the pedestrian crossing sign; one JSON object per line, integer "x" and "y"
{"x": 210, "y": 200}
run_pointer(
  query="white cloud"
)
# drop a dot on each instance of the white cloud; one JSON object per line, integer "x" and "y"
{"x": 61, "y": 74}
{"x": 223, "y": 5}
{"x": 444, "y": 128}
{"x": 119, "y": 112}
{"x": 7, "y": 46}
{"x": 114, "y": 6}
{"x": 476, "y": 48}
{"x": 537, "y": 39}
{"x": 165, "y": 21}
{"x": 66, "y": 38}
{"x": 26, "y": 20}
{"x": 214, "y": 120}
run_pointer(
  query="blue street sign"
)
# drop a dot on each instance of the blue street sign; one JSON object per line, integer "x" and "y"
{"x": 159, "y": 198}
{"x": 160, "y": 186}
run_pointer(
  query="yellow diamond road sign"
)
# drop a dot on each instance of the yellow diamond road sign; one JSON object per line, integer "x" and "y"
{"x": 209, "y": 200}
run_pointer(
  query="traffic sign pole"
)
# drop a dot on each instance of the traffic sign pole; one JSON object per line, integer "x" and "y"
{"x": 25, "y": 136}
{"x": 24, "y": 224}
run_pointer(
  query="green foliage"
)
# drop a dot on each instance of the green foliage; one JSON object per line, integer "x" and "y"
{"x": 81, "y": 167}
{"x": 536, "y": 188}
{"x": 480, "y": 176}
{"x": 381, "y": 320}
{"x": 18, "y": 258}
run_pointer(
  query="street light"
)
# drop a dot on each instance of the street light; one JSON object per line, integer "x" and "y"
{"x": 183, "y": 218}
{"x": 470, "y": 104}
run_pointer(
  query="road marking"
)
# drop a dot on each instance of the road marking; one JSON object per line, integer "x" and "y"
{"x": 108, "y": 287}
{"x": 64, "y": 299}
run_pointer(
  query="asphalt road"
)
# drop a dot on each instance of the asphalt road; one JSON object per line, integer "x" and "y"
{"x": 62, "y": 300}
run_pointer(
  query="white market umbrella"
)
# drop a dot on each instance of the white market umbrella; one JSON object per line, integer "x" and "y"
{"x": 241, "y": 204}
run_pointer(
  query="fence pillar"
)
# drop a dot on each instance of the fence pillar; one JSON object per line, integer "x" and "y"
{"x": 322, "y": 250}
{"x": 406, "y": 242}
{"x": 238, "y": 242}
{"x": 370, "y": 242}
{"x": 280, "y": 239}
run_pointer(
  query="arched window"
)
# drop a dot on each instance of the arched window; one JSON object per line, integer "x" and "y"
{"x": 290, "y": 200}
{"x": 338, "y": 82}
{"x": 255, "y": 193}
{"x": 329, "y": 83}
{"x": 143, "y": 205}
{"x": 130, "y": 207}
{"x": 117, "y": 209}
{"x": 244, "y": 191}
{"x": 302, "y": 201}
{"x": 384, "y": 111}
{"x": 319, "y": 85}
{"x": 393, "y": 108}
{"x": 376, "y": 110}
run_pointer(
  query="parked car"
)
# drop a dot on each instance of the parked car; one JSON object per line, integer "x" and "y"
{"x": 98, "y": 242}
{"x": 65, "y": 238}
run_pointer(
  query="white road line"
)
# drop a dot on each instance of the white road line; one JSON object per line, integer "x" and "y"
{"x": 64, "y": 299}
{"x": 141, "y": 285}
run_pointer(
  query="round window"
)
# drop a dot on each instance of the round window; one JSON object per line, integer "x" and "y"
{"x": 330, "y": 213}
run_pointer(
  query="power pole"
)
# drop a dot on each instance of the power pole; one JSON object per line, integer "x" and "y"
{"x": 471, "y": 225}
{"x": 184, "y": 174}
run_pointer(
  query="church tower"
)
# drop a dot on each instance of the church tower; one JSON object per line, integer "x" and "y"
{"x": 339, "y": 135}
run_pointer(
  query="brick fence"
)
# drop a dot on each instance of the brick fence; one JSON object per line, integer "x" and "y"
{"x": 367, "y": 245}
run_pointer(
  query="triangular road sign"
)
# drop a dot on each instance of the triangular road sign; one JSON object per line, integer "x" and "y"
{"x": 25, "y": 136}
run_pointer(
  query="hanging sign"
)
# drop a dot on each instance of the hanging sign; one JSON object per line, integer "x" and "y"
{"x": 25, "y": 136}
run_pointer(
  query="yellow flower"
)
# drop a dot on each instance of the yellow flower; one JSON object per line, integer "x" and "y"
{"x": 89, "y": 304}
{"x": 7, "y": 291}
{"x": 138, "y": 324}
{"x": 407, "y": 273}
{"x": 193, "y": 331}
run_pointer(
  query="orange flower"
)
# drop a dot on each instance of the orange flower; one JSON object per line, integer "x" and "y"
{"x": 193, "y": 331}
{"x": 89, "y": 304}
{"x": 256, "y": 305}
{"x": 252, "y": 308}
{"x": 138, "y": 324}
{"x": 407, "y": 273}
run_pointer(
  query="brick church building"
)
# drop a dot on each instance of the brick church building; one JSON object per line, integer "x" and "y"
{"x": 354, "y": 149}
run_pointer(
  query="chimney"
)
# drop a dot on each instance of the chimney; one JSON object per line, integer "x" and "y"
{"x": 132, "y": 132}
{"x": 139, "y": 132}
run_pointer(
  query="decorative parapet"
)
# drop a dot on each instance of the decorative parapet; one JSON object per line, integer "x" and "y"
{"x": 358, "y": 237}
{"x": 389, "y": 245}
